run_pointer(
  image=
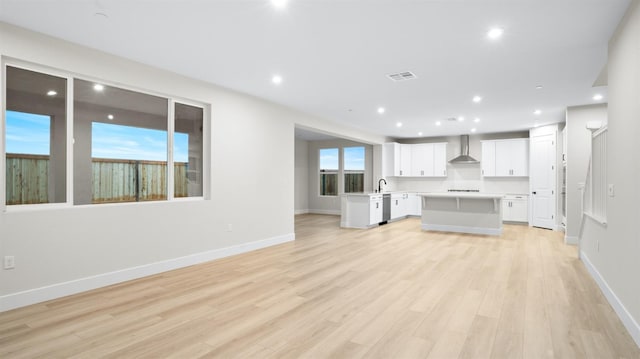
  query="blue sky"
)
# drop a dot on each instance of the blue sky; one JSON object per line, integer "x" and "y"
{"x": 353, "y": 158}
{"x": 29, "y": 134}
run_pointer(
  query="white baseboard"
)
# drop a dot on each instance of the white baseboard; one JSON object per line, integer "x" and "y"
{"x": 462, "y": 229}
{"x": 58, "y": 290}
{"x": 573, "y": 240}
{"x": 325, "y": 211}
{"x": 301, "y": 211}
{"x": 629, "y": 322}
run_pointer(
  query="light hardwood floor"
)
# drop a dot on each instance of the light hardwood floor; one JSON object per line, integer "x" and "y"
{"x": 392, "y": 291}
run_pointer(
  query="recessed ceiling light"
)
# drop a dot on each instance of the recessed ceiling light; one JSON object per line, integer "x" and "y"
{"x": 476, "y": 120}
{"x": 381, "y": 110}
{"x": 461, "y": 118}
{"x": 438, "y": 123}
{"x": 279, "y": 3}
{"x": 419, "y": 133}
{"x": 537, "y": 112}
{"x": 597, "y": 97}
{"x": 51, "y": 93}
{"x": 110, "y": 116}
{"x": 98, "y": 87}
{"x": 495, "y": 33}
{"x": 477, "y": 99}
{"x": 539, "y": 87}
{"x": 399, "y": 124}
{"x": 276, "y": 79}
{"x": 473, "y": 130}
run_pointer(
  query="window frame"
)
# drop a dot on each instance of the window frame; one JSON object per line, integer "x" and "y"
{"x": 70, "y": 77}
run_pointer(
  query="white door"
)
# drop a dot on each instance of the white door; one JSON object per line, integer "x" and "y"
{"x": 543, "y": 181}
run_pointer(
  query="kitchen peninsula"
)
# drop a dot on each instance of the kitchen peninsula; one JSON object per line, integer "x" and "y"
{"x": 464, "y": 212}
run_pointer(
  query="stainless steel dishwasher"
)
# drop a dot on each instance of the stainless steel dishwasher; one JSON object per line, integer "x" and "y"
{"x": 386, "y": 208}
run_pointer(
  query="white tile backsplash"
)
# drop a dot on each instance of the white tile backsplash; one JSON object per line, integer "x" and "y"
{"x": 461, "y": 177}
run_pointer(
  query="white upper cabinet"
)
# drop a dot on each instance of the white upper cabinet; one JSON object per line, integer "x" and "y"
{"x": 406, "y": 153}
{"x": 505, "y": 158}
{"x": 396, "y": 160}
{"x": 488, "y": 158}
{"x": 422, "y": 160}
{"x": 419, "y": 160}
{"x": 440, "y": 159}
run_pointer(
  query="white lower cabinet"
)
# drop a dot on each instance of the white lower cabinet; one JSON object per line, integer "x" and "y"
{"x": 375, "y": 209}
{"x": 414, "y": 205}
{"x": 398, "y": 205}
{"x": 515, "y": 208}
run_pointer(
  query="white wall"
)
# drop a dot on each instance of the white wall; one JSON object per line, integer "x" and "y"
{"x": 578, "y": 155}
{"x": 63, "y": 250}
{"x": 301, "y": 176}
{"x": 463, "y": 176}
{"x": 331, "y": 204}
{"x": 612, "y": 252}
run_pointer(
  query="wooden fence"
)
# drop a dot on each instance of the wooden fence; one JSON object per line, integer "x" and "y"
{"x": 27, "y": 179}
{"x": 113, "y": 180}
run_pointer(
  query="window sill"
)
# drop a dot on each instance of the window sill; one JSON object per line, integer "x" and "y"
{"x": 601, "y": 221}
{"x": 21, "y": 208}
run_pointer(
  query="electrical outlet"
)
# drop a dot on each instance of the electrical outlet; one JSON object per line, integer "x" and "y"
{"x": 612, "y": 190}
{"x": 229, "y": 227}
{"x": 9, "y": 262}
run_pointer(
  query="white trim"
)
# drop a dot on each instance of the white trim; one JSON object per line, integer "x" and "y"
{"x": 601, "y": 221}
{"x": 573, "y": 240}
{"x": 462, "y": 229}
{"x": 37, "y": 295}
{"x": 629, "y": 322}
{"x": 301, "y": 211}
{"x": 335, "y": 212}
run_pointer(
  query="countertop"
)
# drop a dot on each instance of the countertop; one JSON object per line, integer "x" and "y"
{"x": 479, "y": 195}
{"x": 374, "y": 193}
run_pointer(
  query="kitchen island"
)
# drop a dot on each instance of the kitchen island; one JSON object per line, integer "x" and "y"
{"x": 476, "y": 213}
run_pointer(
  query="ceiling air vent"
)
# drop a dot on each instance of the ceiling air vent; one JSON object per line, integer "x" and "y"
{"x": 402, "y": 76}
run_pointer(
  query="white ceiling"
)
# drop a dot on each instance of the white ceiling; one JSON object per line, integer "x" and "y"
{"x": 334, "y": 55}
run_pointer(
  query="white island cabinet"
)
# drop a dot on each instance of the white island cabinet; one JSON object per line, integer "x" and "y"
{"x": 361, "y": 210}
{"x": 477, "y": 213}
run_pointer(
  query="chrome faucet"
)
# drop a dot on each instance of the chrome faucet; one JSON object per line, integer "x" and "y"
{"x": 380, "y": 185}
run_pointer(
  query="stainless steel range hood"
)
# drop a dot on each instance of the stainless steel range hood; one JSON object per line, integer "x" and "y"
{"x": 464, "y": 157}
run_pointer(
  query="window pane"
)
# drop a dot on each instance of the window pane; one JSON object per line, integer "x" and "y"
{"x": 354, "y": 158}
{"x": 353, "y": 182}
{"x": 35, "y": 138}
{"x": 188, "y": 151}
{"x": 328, "y": 184}
{"x": 120, "y": 145}
{"x": 329, "y": 159}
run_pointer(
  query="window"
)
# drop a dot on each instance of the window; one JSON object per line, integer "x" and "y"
{"x": 35, "y": 138}
{"x": 329, "y": 166}
{"x": 120, "y": 145}
{"x": 188, "y": 151}
{"x": 353, "y": 160}
{"x": 124, "y": 148}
